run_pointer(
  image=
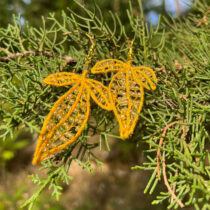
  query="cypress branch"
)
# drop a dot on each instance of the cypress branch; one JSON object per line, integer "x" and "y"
{"x": 174, "y": 122}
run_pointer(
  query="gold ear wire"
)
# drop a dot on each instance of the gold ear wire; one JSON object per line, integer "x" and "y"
{"x": 90, "y": 53}
{"x": 130, "y": 53}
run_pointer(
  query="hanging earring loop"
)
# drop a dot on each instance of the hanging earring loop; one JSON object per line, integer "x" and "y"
{"x": 90, "y": 55}
{"x": 130, "y": 53}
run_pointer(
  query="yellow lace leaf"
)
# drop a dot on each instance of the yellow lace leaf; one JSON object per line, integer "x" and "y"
{"x": 99, "y": 94}
{"x": 126, "y": 91}
{"x": 144, "y": 75}
{"x": 64, "y": 123}
{"x": 70, "y": 113}
{"x": 108, "y": 65}
{"x": 127, "y": 99}
{"x": 61, "y": 79}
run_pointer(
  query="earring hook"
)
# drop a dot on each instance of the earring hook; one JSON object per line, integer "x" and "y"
{"x": 130, "y": 53}
{"x": 90, "y": 53}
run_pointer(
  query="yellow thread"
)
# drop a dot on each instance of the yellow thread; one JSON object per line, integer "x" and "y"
{"x": 70, "y": 113}
{"x": 126, "y": 90}
{"x": 108, "y": 65}
{"x": 98, "y": 93}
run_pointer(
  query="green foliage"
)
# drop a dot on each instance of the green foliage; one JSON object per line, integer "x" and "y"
{"x": 10, "y": 200}
{"x": 10, "y": 145}
{"x": 33, "y": 10}
{"x": 178, "y": 50}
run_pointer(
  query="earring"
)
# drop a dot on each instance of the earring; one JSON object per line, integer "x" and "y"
{"x": 70, "y": 113}
{"x": 126, "y": 89}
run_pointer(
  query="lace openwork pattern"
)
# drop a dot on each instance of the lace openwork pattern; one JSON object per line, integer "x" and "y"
{"x": 126, "y": 91}
{"x": 70, "y": 113}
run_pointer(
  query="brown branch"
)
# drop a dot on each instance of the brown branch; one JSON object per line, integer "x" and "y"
{"x": 160, "y": 144}
{"x": 167, "y": 184}
{"x": 150, "y": 146}
{"x": 204, "y": 19}
{"x": 199, "y": 119}
{"x": 68, "y": 60}
{"x": 174, "y": 186}
{"x": 169, "y": 102}
{"x": 12, "y": 56}
{"x": 151, "y": 138}
{"x": 184, "y": 131}
{"x": 171, "y": 191}
{"x": 182, "y": 97}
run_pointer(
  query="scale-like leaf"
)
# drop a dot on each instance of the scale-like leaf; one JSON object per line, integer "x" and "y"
{"x": 100, "y": 94}
{"x": 126, "y": 97}
{"x": 108, "y": 65}
{"x": 64, "y": 123}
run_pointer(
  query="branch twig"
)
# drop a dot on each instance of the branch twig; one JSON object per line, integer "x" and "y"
{"x": 204, "y": 19}
{"x": 11, "y": 56}
{"x": 174, "y": 186}
{"x": 174, "y": 197}
{"x": 167, "y": 184}
{"x": 160, "y": 144}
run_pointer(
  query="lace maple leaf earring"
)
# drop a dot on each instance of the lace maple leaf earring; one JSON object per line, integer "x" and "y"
{"x": 70, "y": 113}
{"x": 126, "y": 89}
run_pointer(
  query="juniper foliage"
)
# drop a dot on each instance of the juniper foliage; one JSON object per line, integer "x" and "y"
{"x": 174, "y": 123}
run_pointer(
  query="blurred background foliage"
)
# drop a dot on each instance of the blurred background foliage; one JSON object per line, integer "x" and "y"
{"x": 31, "y": 11}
